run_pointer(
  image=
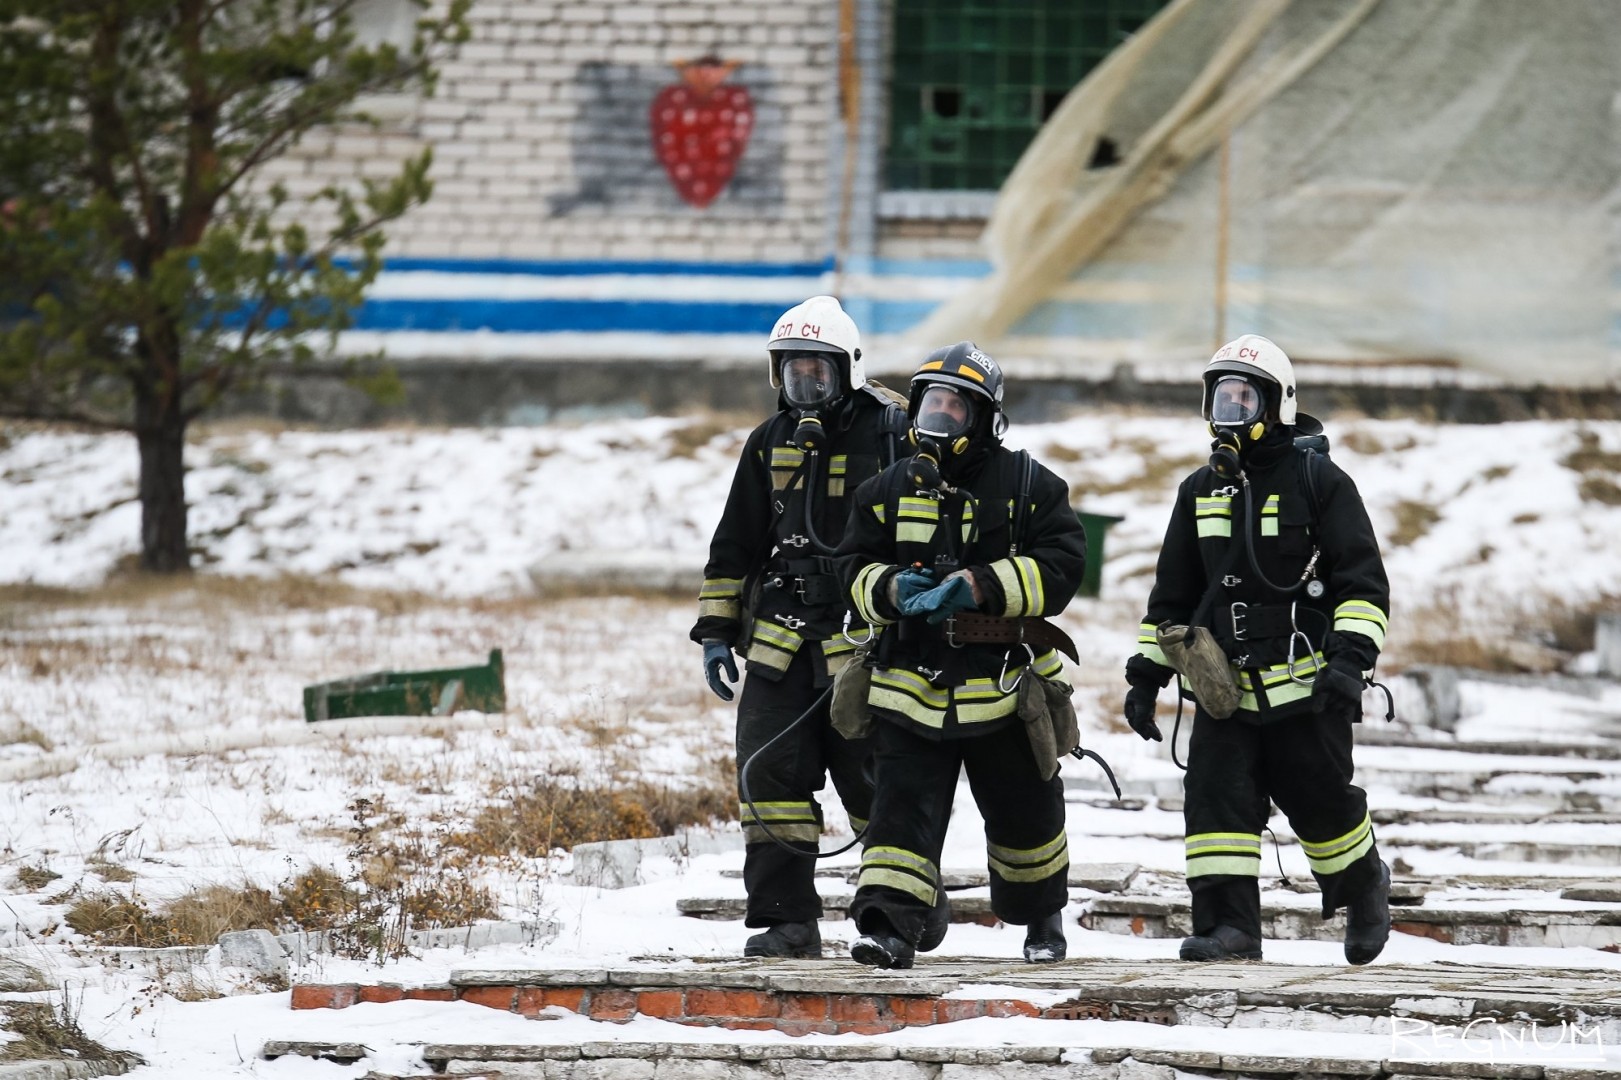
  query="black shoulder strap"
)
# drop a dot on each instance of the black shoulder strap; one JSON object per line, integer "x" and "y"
{"x": 1311, "y": 466}
{"x": 1025, "y": 468}
{"x": 894, "y": 422}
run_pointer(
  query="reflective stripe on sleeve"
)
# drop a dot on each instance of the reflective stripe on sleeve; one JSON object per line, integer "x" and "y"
{"x": 1148, "y": 644}
{"x": 864, "y": 591}
{"x": 721, "y": 597}
{"x": 1362, "y": 617}
{"x": 1020, "y": 579}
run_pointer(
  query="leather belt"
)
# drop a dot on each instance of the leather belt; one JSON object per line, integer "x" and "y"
{"x": 969, "y": 628}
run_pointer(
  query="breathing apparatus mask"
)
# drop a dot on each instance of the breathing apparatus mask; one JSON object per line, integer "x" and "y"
{"x": 944, "y": 424}
{"x": 1237, "y": 420}
{"x": 810, "y": 384}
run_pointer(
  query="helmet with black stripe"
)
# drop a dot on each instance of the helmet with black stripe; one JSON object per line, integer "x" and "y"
{"x": 956, "y": 397}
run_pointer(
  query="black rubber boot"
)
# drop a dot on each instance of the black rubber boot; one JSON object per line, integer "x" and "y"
{"x": 1367, "y": 921}
{"x": 1222, "y": 943}
{"x": 881, "y": 947}
{"x": 1044, "y": 940}
{"x": 936, "y": 923}
{"x": 794, "y": 940}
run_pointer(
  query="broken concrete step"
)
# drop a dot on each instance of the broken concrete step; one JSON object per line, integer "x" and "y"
{"x": 875, "y": 1061}
{"x": 1592, "y": 751}
{"x": 1526, "y": 925}
{"x": 1467, "y": 814}
{"x": 839, "y": 997}
{"x": 1099, "y": 877}
{"x": 1598, "y": 853}
{"x": 342, "y": 1053}
{"x": 835, "y": 907}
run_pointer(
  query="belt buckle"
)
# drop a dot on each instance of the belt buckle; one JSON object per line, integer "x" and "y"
{"x": 1239, "y": 612}
{"x": 951, "y": 632}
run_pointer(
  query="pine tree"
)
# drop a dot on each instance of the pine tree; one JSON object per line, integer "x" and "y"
{"x": 147, "y": 265}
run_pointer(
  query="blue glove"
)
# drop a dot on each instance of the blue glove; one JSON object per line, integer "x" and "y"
{"x": 908, "y": 583}
{"x": 718, "y": 657}
{"x": 943, "y": 601}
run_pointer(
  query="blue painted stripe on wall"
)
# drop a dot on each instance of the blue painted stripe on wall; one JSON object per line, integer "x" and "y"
{"x": 1083, "y": 320}
{"x": 577, "y": 268}
{"x": 566, "y": 316}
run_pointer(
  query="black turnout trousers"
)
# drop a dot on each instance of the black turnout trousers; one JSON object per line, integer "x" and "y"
{"x": 782, "y": 782}
{"x": 1236, "y": 770}
{"x": 916, "y": 782}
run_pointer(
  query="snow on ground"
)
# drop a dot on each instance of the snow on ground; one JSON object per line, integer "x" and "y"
{"x": 409, "y": 548}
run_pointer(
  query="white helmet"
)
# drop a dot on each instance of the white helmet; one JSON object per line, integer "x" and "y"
{"x": 1253, "y": 354}
{"x": 817, "y": 325}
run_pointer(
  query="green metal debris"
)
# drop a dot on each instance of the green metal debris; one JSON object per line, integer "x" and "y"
{"x": 410, "y": 693}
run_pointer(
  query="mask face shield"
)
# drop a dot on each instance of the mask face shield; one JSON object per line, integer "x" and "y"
{"x": 944, "y": 412}
{"x": 1235, "y": 402}
{"x": 810, "y": 380}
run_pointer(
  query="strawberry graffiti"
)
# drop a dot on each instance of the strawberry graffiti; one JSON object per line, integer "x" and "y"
{"x": 700, "y": 128}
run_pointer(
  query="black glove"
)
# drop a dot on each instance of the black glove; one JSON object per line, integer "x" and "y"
{"x": 1140, "y": 701}
{"x": 1336, "y": 693}
{"x": 1146, "y": 677}
{"x": 718, "y": 657}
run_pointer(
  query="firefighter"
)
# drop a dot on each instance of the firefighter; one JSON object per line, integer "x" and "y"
{"x": 769, "y": 594}
{"x": 930, "y": 555}
{"x": 1269, "y": 547}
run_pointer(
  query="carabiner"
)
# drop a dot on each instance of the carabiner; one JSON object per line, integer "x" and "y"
{"x": 1002, "y": 675}
{"x": 845, "y": 631}
{"x": 1296, "y": 633}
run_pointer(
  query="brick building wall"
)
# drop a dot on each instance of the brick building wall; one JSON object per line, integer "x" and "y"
{"x": 543, "y": 149}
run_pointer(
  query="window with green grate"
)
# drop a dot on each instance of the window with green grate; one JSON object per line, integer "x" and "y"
{"x": 975, "y": 79}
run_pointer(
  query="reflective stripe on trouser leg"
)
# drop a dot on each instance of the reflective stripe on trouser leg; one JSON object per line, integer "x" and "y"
{"x": 1333, "y": 856}
{"x": 915, "y": 782}
{"x": 1030, "y": 864}
{"x": 900, "y": 869}
{"x": 780, "y": 883}
{"x": 1224, "y": 853}
{"x": 787, "y": 821}
{"x": 1225, "y": 806}
{"x": 1026, "y": 848}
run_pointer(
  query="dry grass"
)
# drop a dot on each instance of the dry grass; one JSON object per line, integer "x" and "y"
{"x": 35, "y": 878}
{"x": 46, "y": 1033}
{"x": 23, "y": 733}
{"x": 1413, "y": 520}
{"x": 1365, "y": 442}
{"x": 687, "y": 440}
{"x": 1599, "y": 489}
{"x": 1590, "y": 455}
{"x": 558, "y": 811}
{"x": 314, "y": 899}
{"x": 1545, "y": 635}
{"x": 109, "y": 871}
{"x": 1155, "y": 471}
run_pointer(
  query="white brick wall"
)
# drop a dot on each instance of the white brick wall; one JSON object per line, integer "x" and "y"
{"x": 542, "y": 149}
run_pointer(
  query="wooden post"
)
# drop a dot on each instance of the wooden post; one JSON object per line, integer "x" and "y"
{"x": 850, "y": 114}
{"x": 1223, "y": 195}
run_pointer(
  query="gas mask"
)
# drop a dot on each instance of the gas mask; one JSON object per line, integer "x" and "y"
{"x": 943, "y": 425}
{"x": 810, "y": 383}
{"x": 1237, "y": 420}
